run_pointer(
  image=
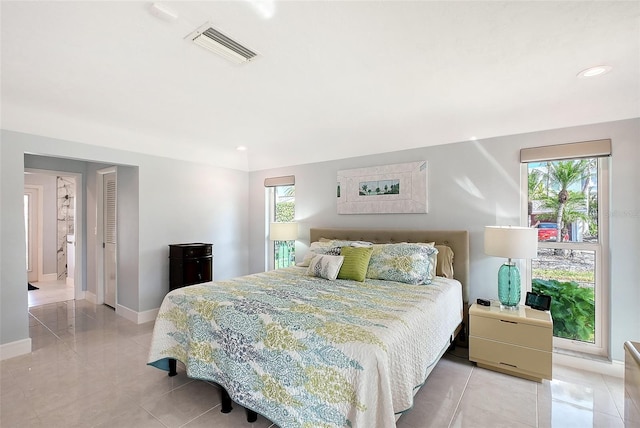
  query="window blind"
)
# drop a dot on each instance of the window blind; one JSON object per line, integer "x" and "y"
{"x": 584, "y": 149}
{"x": 286, "y": 180}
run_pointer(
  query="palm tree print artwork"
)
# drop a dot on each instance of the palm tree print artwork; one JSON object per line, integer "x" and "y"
{"x": 384, "y": 189}
{"x": 381, "y": 187}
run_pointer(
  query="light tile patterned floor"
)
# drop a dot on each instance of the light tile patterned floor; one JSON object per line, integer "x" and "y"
{"x": 88, "y": 369}
{"x": 50, "y": 292}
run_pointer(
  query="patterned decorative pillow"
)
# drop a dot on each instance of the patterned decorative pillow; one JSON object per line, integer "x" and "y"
{"x": 433, "y": 259}
{"x": 404, "y": 262}
{"x": 356, "y": 262}
{"x": 319, "y": 248}
{"x": 343, "y": 243}
{"x": 334, "y": 251}
{"x": 325, "y": 266}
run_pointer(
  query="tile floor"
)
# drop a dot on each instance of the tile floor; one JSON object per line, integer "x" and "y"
{"x": 50, "y": 292}
{"x": 88, "y": 369}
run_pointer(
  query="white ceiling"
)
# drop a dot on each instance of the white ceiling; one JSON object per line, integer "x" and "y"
{"x": 333, "y": 80}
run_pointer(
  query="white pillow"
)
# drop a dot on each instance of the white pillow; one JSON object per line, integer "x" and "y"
{"x": 314, "y": 249}
{"x": 326, "y": 246}
{"x": 325, "y": 266}
{"x": 343, "y": 243}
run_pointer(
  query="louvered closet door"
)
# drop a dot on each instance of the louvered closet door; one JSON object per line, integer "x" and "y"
{"x": 110, "y": 239}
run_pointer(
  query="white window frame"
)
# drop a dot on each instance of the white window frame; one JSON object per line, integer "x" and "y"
{"x": 270, "y": 184}
{"x": 270, "y": 210}
{"x": 602, "y": 289}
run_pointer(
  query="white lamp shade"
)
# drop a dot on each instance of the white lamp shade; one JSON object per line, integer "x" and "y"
{"x": 511, "y": 242}
{"x": 283, "y": 231}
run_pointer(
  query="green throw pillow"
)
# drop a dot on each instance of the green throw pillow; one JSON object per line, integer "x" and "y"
{"x": 355, "y": 264}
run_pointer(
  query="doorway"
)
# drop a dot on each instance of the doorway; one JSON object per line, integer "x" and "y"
{"x": 50, "y": 231}
{"x": 89, "y": 271}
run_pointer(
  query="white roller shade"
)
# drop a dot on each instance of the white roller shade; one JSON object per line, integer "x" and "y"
{"x": 287, "y": 180}
{"x": 585, "y": 149}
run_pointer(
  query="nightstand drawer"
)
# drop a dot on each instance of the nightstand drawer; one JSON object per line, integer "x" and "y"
{"x": 512, "y": 332}
{"x": 511, "y": 357}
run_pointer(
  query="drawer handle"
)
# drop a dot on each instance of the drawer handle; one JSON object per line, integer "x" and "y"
{"x": 510, "y": 322}
{"x": 510, "y": 365}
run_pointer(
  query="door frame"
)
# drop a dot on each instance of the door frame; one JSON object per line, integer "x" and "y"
{"x": 100, "y": 233}
{"x": 39, "y": 223}
{"x": 78, "y": 285}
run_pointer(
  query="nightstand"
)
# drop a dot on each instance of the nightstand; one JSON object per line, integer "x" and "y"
{"x": 190, "y": 264}
{"x": 517, "y": 342}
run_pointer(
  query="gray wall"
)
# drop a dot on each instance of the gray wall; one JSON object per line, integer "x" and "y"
{"x": 176, "y": 202}
{"x": 472, "y": 185}
{"x": 128, "y": 236}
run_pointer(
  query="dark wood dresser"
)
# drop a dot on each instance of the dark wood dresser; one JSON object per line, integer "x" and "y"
{"x": 190, "y": 264}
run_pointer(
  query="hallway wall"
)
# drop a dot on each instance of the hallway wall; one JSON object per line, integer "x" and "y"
{"x": 177, "y": 201}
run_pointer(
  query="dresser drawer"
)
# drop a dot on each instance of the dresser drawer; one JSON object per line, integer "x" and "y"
{"x": 511, "y": 357}
{"x": 512, "y": 332}
{"x": 193, "y": 250}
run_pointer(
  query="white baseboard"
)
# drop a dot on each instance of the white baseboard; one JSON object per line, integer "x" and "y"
{"x": 610, "y": 368}
{"x": 148, "y": 316}
{"x": 90, "y": 297}
{"x": 15, "y": 349}
{"x": 137, "y": 317}
{"x": 49, "y": 277}
{"x": 127, "y": 313}
{"x": 70, "y": 282}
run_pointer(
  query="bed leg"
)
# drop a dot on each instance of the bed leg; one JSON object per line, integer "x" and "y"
{"x": 226, "y": 401}
{"x": 251, "y": 416}
{"x": 173, "y": 370}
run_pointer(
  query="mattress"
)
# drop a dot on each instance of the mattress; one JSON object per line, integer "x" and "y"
{"x": 304, "y": 351}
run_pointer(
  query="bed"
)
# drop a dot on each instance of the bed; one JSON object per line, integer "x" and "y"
{"x": 303, "y": 350}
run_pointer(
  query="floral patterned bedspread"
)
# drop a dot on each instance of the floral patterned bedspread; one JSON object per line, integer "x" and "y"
{"x": 308, "y": 352}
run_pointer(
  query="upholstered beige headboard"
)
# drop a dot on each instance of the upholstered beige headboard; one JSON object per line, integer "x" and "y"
{"x": 457, "y": 240}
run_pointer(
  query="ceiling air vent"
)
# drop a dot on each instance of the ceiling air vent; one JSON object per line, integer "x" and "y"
{"x": 213, "y": 40}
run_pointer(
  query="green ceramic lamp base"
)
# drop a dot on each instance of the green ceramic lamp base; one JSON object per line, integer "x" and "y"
{"x": 509, "y": 285}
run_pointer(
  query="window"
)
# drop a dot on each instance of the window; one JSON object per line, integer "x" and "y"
{"x": 281, "y": 209}
{"x": 566, "y": 197}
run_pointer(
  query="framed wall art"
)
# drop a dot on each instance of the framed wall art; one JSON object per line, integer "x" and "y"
{"x": 385, "y": 189}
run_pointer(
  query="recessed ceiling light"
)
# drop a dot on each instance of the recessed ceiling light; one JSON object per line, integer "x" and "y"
{"x": 241, "y": 148}
{"x": 595, "y": 71}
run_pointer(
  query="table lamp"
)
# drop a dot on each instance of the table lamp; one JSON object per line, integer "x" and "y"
{"x": 511, "y": 242}
{"x": 283, "y": 232}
